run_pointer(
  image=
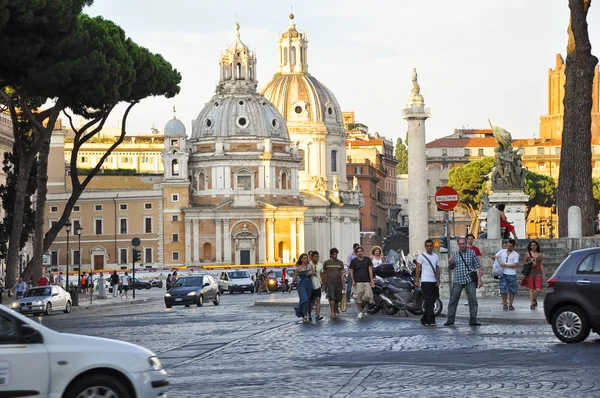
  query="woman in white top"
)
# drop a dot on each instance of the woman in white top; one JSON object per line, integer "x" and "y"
{"x": 377, "y": 256}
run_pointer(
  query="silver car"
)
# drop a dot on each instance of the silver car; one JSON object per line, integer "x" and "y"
{"x": 43, "y": 300}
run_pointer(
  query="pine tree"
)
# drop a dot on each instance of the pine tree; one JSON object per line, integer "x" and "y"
{"x": 402, "y": 157}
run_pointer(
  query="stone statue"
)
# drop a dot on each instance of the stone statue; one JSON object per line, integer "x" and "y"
{"x": 508, "y": 171}
{"x": 336, "y": 185}
{"x": 485, "y": 202}
{"x": 354, "y": 183}
{"x": 319, "y": 183}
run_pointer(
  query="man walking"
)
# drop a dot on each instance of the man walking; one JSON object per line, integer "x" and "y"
{"x": 114, "y": 283}
{"x": 361, "y": 272}
{"x": 317, "y": 269}
{"x": 508, "y": 259}
{"x": 333, "y": 280}
{"x": 465, "y": 263}
{"x": 20, "y": 288}
{"x": 349, "y": 259}
{"x": 125, "y": 280}
{"x": 428, "y": 277}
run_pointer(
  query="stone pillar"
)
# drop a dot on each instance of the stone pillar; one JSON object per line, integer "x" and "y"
{"x": 226, "y": 242}
{"x": 574, "y": 226}
{"x": 293, "y": 238}
{"x": 300, "y": 223}
{"x": 271, "y": 237}
{"x": 196, "y": 241}
{"x": 262, "y": 252}
{"x": 188, "y": 242}
{"x": 493, "y": 224}
{"x": 219, "y": 228}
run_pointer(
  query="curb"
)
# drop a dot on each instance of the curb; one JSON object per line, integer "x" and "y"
{"x": 87, "y": 306}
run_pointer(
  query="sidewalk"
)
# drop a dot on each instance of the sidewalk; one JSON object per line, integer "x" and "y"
{"x": 490, "y": 310}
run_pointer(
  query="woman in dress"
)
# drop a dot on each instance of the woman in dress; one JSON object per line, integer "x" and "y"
{"x": 304, "y": 272}
{"x": 377, "y": 256}
{"x": 504, "y": 221}
{"x": 533, "y": 281}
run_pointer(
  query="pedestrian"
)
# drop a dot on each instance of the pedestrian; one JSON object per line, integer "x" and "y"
{"x": 377, "y": 256}
{"x": 317, "y": 270}
{"x": 304, "y": 272}
{"x": 534, "y": 280}
{"x": 125, "y": 280}
{"x": 464, "y": 262}
{"x": 508, "y": 227}
{"x": 349, "y": 259}
{"x": 284, "y": 280}
{"x": 82, "y": 284}
{"x": 428, "y": 277}
{"x": 361, "y": 272}
{"x": 1, "y": 288}
{"x": 89, "y": 282}
{"x": 264, "y": 281}
{"x": 114, "y": 283}
{"x": 470, "y": 240}
{"x": 168, "y": 282}
{"x": 61, "y": 279}
{"x": 333, "y": 280}
{"x": 509, "y": 260}
{"x": 20, "y": 288}
{"x": 174, "y": 278}
{"x": 43, "y": 281}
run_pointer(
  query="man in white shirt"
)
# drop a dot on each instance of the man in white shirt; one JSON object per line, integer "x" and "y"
{"x": 125, "y": 280}
{"x": 509, "y": 260}
{"x": 428, "y": 277}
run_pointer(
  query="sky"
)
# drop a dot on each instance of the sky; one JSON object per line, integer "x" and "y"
{"x": 476, "y": 60}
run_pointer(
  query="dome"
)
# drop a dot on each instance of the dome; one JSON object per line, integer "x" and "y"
{"x": 242, "y": 115}
{"x": 301, "y": 97}
{"x": 174, "y": 128}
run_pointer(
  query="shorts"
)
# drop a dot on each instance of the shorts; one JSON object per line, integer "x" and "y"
{"x": 364, "y": 293}
{"x": 334, "y": 291}
{"x": 125, "y": 288}
{"x": 508, "y": 284}
{"x": 315, "y": 293}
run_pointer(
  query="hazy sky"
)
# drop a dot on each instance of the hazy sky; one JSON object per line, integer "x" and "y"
{"x": 476, "y": 59}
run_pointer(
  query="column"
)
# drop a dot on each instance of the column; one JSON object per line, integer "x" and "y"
{"x": 226, "y": 241}
{"x": 188, "y": 242}
{"x": 271, "y": 237}
{"x": 300, "y": 223}
{"x": 219, "y": 228}
{"x": 261, "y": 242}
{"x": 196, "y": 241}
{"x": 293, "y": 238}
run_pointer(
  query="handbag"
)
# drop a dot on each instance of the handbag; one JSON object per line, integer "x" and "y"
{"x": 472, "y": 274}
{"x": 497, "y": 270}
{"x": 343, "y": 304}
{"x": 527, "y": 267}
{"x": 437, "y": 288}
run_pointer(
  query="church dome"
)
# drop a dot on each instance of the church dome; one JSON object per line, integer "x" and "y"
{"x": 174, "y": 128}
{"x": 244, "y": 115}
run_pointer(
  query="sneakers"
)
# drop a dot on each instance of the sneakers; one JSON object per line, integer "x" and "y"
{"x": 360, "y": 315}
{"x": 318, "y": 318}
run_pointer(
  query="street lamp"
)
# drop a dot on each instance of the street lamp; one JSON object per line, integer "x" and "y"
{"x": 68, "y": 230}
{"x": 78, "y": 233}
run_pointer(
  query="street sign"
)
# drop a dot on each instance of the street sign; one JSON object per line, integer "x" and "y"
{"x": 436, "y": 243}
{"x": 135, "y": 242}
{"x": 446, "y": 198}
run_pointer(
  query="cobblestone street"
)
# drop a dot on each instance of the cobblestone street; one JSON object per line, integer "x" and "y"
{"x": 238, "y": 349}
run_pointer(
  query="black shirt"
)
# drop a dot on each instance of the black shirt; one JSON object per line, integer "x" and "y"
{"x": 361, "y": 269}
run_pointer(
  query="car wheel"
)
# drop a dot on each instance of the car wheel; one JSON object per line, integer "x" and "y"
{"x": 570, "y": 324}
{"x": 230, "y": 290}
{"x": 187, "y": 305}
{"x": 148, "y": 287}
{"x": 68, "y": 307}
{"x": 168, "y": 306}
{"x": 48, "y": 309}
{"x": 200, "y": 301}
{"x": 217, "y": 299}
{"x": 97, "y": 386}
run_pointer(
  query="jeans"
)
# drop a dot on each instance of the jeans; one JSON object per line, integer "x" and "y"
{"x": 457, "y": 289}
{"x": 348, "y": 288}
{"x": 428, "y": 289}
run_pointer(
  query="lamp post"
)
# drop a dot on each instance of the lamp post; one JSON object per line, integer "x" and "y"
{"x": 78, "y": 233}
{"x": 68, "y": 230}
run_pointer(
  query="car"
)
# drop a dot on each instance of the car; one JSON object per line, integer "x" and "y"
{"x": 43, "y": 300}
{"x": 236, "y": 281}
{"x": 273, "y": 280}
{"x": 571, "y": 304}
{"x": 139, "y": 285}
{"x": 157, "y": 283}
{"x": 291, "y": 272}
{"x": 193, "y": 290}
{"x": 87, "y": 366}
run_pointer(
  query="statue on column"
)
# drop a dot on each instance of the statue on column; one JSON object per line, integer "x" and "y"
{"x": 354, "y": 183}
{"x": 508, "y": 171}
{"x": 336, "y": 185}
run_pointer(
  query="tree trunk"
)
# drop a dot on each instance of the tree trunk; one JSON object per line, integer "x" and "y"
{"x": 575, "y": 176}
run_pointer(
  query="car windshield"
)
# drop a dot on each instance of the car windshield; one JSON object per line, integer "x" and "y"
{"x": 276, "y": 274}
{"x": 189, "y": 281}
{"x": 239, "y": 275}
{"x": 291, "y": 272}
{"x": 38, "y": 291}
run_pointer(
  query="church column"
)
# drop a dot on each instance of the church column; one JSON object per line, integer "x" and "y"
{"x": 196, "y": 241}
{"x": 227, "y": 241}
{"x": 188, "y": 242}
{"x": 293, "y": 238}
{"x": 301, "y": 235}
{"x": 219, "y": 228}
{"x": 271, "y": 237}
{"x": 261, "y": 177}
{"x": 261, "y": 242}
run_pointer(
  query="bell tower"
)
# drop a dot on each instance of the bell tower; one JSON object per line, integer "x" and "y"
{"x": 238, "y": 68}
{"x": 293, "y": 50}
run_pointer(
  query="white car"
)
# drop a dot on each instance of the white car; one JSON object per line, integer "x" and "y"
{"x": 38, "y": 362}
{"x": 236, "y": 281}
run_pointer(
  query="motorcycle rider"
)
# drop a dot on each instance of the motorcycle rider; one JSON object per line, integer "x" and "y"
{"x": 428, "y": 277}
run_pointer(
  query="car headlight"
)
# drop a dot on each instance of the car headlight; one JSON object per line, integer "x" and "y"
{"x": 168, "y": 295}
{"x": 38, "y": 302}
{"x": 14, "y": 305}
{"x": 192, "y": 293}
{"x": 271, "y": 282}
{"x": 155, "y": 363}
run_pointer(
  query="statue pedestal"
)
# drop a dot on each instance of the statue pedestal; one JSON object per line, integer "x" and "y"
{"x": 515, "y": 201}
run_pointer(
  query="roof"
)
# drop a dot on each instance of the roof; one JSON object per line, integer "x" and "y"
{"x": 448, "y": 143}
{"x": 481, "y": 142}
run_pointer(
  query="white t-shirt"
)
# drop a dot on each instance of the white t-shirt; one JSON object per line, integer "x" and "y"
{"x": 125, "y": 280}
{"x": 427, "y": 274}
{"x": 316, "y": 279}
{"x": 377, "y": 262}
{"x": 508, "y": 258}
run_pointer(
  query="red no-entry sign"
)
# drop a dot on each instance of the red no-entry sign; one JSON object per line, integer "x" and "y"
{"x": 446, "y": 198}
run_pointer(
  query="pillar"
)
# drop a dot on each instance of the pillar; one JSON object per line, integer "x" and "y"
{"x": 188, "y": 242}
{"x": 574, "y": 226}
{"x": 219, "y": 228}
{"x": 262, "y": 255}
{"x": 300, "y": 224}
{"x": 226, "y": 241}
{"x": 271, "y": 239}
{"x": 493, "y": 224}
{"x": 293, "y": 238}
{"x": 196, "y": 241}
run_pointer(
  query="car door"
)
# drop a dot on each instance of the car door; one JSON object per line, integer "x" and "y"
{"x": 224, "y": 281}
{"x": 24, "y": 367}
{"x": 58, "y": 300}
{"x": 210, "y": 291}
{"x": 587, "y": 279}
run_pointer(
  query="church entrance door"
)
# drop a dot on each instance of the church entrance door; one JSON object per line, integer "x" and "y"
{"x": 244, "y": 257}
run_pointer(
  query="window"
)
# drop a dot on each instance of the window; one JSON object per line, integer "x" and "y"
{"x": 53, "y": 223}
{"x": 97, "y": 207}
{"x": 244, "y": 183}
{"x": 147, "y": 255}
{"x": 284, "y": 180}
{"x": 76, "y": 224}
{"x": 444, "y": 151}
{"x": 174, "y": 142}
{"x": 123, "y": 206}
{"x": 467, "y": 152}
{"x": 54, "y": 258}
{"x": 123, "y": 225}
{"x": 76, "y": 209}
{"x": 125, "y": 159}
{"x": 8, "y": 335}
{"x": 175, "y": 218}
{"x": 444, "y": 166}
{"x": 590, "y": 265}
{"x": 123, "y": 256}
{"x": 175, "y": 197}
{"x": 148, "y": 206}
{"x": 148, "y": 225}
{"x": 480, "y": 152}
{"x": 334, "y": 154}
{"x": 175, "y": 237}
{"x": 98, "y": 226}
{"x": 541, "y": 165}
{"x": 542, "y": 229}
{"x": 83, "y": 159}
{"x": 293, "y": 55}
{"x": 357, "y": 170}
{"x": 53, "y": 209}
{"x": 540, "y": 150}
{"x": 557, "y": 150}
{"x": 175, "y": 256}
{"x": 76, "y": 259}
{"x": 302, "y": 166}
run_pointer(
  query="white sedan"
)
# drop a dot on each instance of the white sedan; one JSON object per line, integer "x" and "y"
{"x": 39, "y": 362}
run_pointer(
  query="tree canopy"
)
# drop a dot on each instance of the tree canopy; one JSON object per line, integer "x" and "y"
{"x": 541, "y": 190}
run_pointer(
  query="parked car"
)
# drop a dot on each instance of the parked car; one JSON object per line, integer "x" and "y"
{"x": 139, "y": 285}
{"x": 572, "y": 304}
{"x": 43, "y": 300}
{"x": 193, "y": 290}
{"x": 236, "y": 281}
{"x": 157, "y": 283}
{"x": 87, "y": 366}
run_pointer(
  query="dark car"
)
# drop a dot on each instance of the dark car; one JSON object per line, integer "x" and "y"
{"x": 572, "y": 304}
{"x": 273, "y": 279}
{"x": 193, "y": 290}
{"x": 139, "y": 285}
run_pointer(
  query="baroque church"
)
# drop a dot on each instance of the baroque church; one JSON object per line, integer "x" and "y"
{"x": 263, "y": 176}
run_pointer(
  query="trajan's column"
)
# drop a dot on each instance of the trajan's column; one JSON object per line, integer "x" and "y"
{"x": 416, "y": 114}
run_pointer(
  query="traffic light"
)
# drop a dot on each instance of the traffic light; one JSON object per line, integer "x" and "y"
{"x": 137, "y": 256}
{"x": 443, "y": 244}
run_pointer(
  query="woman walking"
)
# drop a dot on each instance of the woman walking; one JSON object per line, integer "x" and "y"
{"x": 168, "y": 282}
{"x": 304, "y": 272}
{"x": 377, "y": 256}
{"x": 534, "y": 280}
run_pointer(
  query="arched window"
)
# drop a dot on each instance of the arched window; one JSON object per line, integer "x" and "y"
{"x": 334, "y": 160}
{"x": 293, "y": 56}
{"x": 302, "y": 166}
{"x": 207, "y": 252}
{"x": 175, "y": 167}
{"x": 284, "y": 180}
{"x": 238, "y": 71}
{"x": 201, "y": 182}
{"x": 285, "y": 55}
